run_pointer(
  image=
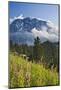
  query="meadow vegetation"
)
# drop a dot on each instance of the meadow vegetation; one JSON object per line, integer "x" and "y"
{"x": 24, "y": 73}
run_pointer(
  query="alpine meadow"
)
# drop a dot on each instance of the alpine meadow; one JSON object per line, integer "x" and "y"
{"x": 33, "y": 45}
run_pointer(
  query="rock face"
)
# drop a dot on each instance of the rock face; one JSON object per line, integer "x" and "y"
{"x": 26, "y": 24}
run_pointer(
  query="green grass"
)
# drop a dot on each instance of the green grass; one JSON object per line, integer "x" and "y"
{"x": 23, "y": 73}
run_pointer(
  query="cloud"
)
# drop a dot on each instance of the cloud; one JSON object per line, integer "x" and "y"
{"x": 52, "y": 28}
{"x": 17, "y": 17}
{"x": 11, "y": 20}
{"x": 50, "y": 24}
{"x": 47, "y": 34}
{"x": 22, "y": 37}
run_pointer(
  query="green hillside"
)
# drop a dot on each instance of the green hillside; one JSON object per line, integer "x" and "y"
{"x": 23, "y": 73}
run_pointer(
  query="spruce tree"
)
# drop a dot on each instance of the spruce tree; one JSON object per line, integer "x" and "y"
{"x": 37, "y": 49}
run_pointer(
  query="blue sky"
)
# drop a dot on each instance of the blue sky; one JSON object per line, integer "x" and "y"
{"x": 43, "y": 11}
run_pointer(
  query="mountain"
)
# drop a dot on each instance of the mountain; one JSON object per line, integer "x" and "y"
{"x": 26, "y": 24}
{"x": 23, "y": 31}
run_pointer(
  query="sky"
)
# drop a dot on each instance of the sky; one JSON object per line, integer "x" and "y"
{"x": 46, "y": 12}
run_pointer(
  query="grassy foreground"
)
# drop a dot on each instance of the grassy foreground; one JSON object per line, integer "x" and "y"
{"x": 23, "y": 73}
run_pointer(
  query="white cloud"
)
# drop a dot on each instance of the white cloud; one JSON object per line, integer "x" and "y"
{"x": 11, "y": 20}
{"x": 44, "y": 28}
{"x": 17, "y": 17}
{"x": 50, "y": 24}
{"x": 46, "y": 34}
{"x": 53, "y": 28}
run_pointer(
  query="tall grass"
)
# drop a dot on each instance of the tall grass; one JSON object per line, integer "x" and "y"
{"x": 23, "y": 73}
